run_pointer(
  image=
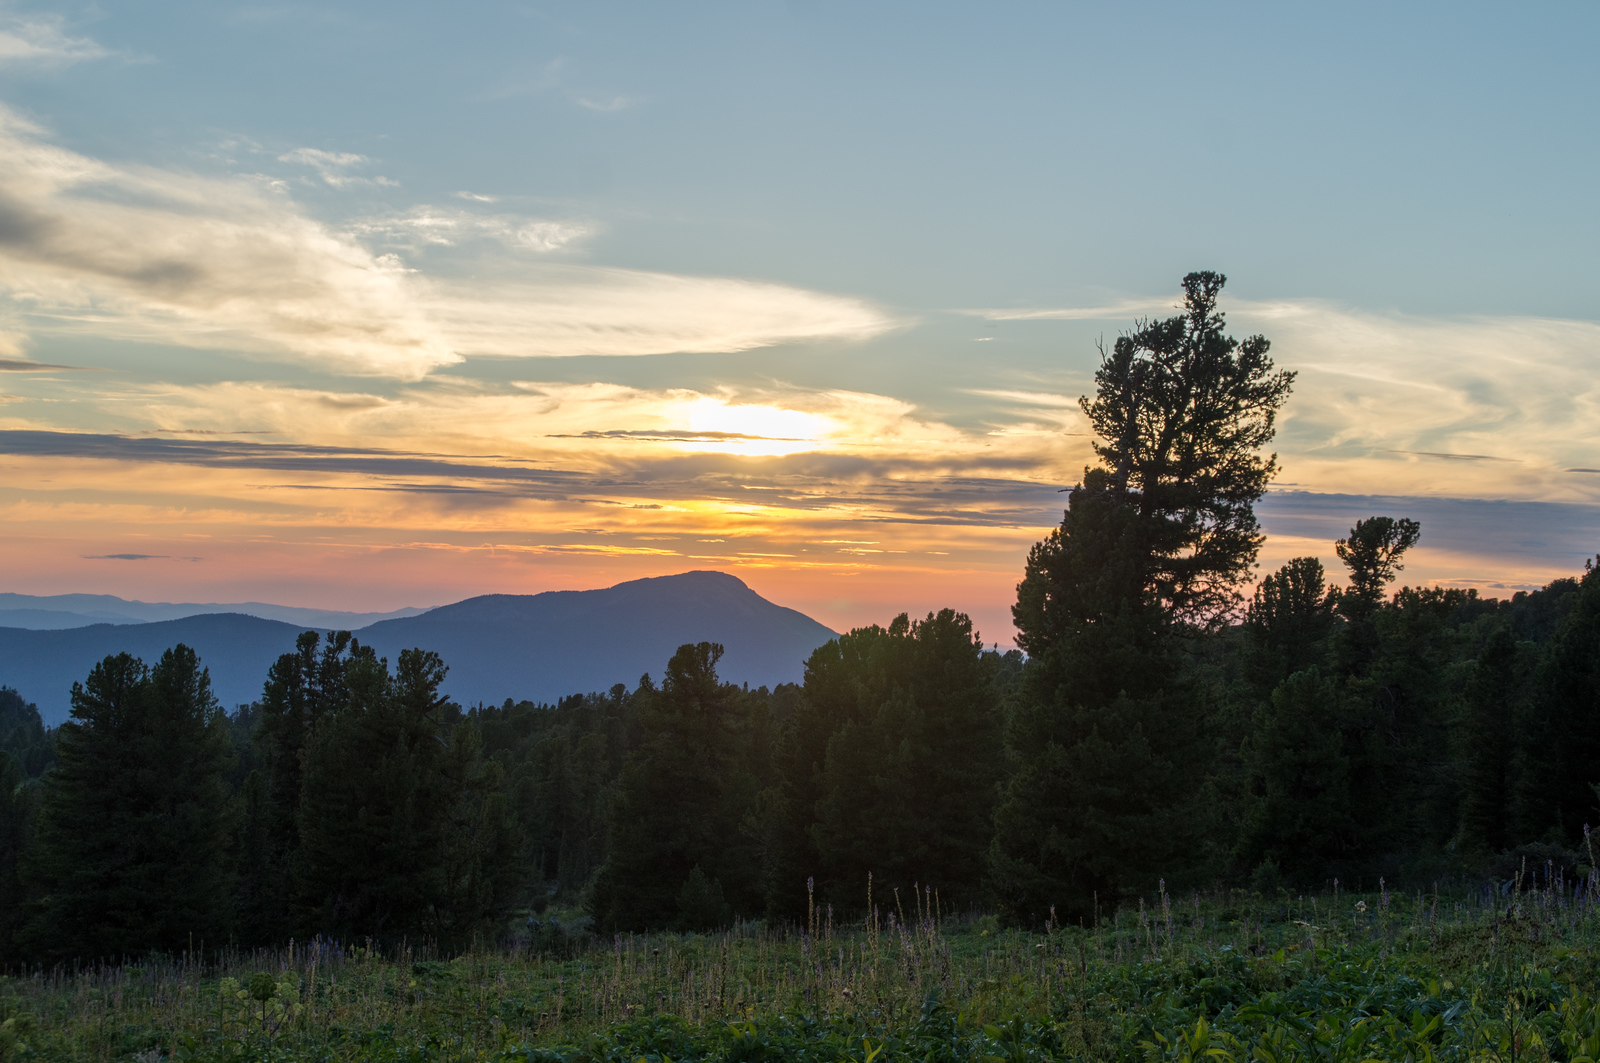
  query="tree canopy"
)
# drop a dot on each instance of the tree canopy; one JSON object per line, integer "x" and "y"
{"x": 134, "y": 826}
{"x": 1181, "y": 411}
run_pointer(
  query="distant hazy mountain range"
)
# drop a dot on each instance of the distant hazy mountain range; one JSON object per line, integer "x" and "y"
{"x": 538, "y": 647}
{"x": 55, "y": 611}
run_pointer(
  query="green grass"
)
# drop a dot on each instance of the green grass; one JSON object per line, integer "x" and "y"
{"x": 1225, "y": 977}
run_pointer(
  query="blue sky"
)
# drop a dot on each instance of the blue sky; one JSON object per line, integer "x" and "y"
{"x": 868, "y": 248}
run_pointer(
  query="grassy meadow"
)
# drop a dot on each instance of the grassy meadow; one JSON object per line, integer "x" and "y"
{"x": 1227, "y": 976}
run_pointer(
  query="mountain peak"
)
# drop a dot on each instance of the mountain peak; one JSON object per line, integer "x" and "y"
{"x": 542, "y": 647}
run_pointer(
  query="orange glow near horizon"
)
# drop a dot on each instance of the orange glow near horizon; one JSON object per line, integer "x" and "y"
{"x": 847, "y": 556}
{"x": 847, "y": 505}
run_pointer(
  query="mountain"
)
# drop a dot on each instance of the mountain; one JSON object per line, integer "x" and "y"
{"x": 238, "y": 649}
{"x": 54, "y": 611}
{"x": 539, "y": 647}
{"x": 545, "y": 646}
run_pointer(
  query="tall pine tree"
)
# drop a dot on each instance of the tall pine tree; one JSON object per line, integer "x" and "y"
{"x": 16, "y": 822}
{"x": 26, "y": 751}
{"x": 1288, "y": 624}
{"x": 302, "y": 688}
{"x": 906, "y": 785}
{"x": 680, "y": 854}
{"x": 1494, "y": 704}
{"x": 1557, "y": 786}
{"x": 135, "y": 821}
{"x": 1299, "y": 824}
{"x": 404, "y": 828}
{"x": 1151, "y": 551}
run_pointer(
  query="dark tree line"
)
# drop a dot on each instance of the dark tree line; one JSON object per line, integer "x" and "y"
{"x": 351, "y": 801}
{"x": 1167, "y": 722}
{"x": 1415, "y": 734}
{"x": 354, "y": 801}
{"x": 884, "y": 762}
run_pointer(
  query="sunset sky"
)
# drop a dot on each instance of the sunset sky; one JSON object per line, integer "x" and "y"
{"x": 362, "y": 306}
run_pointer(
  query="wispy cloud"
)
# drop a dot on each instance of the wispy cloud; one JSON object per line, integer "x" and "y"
{"x": 1500, "y": 407}
{"x": 1467, "y": 408}
{"x": 1122, "y": 310}
{"x": 1028, "y": 398}
{"x": 142, "y": 253}
{"x": 1472, "y": 406}
{"x": 604, "y": 104}
{"x": 670, "y": 492}
{"x": 564, "y": 311}
{"x": 334, "y": 167}
{"x": 41, "y": 40}
{"x": 423, "y": 226}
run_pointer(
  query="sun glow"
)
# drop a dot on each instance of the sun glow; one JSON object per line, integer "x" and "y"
{"x": 754, "y": 430}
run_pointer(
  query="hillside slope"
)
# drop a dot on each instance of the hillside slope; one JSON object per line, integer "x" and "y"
{"x": 238, "y": 649}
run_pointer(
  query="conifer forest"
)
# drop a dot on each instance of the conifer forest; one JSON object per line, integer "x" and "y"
{"x": 1203, "y": 811}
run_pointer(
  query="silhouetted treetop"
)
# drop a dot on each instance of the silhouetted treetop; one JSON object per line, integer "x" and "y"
{"x": 1372, "y": 554}
{"x": 1182, "y": 410}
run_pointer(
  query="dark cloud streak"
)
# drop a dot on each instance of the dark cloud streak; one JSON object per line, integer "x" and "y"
{"x": 674, "y": 437}
{"x": 898, "y": 490}
{"x": 1555, "y": 532}
{"x": 20, "y": 365}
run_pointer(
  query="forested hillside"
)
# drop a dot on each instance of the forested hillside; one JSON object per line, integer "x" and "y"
{"x": 1170, "y": 723}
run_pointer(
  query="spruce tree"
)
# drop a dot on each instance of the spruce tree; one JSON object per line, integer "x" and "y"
{"x": 301, "y": 689}
{"x": 1299, "y": 824}
{"x": 1496, "y": 691}
{"x": 682, "y": 804}
{"x": 404, "y": 829}
{"x": 135, "y": 821}
{"x": 1560, "y": 769}
{"x": 906, "y": 787}
{"x": 16, "y": 823}
{"x": 1372, "y": 554}
{"x": 1399, "y": 657}
{"x": 1181, "y": 411}
{"x": 27, "y": 750}
{"x": 1288, "y": 624}
{"x": 1291, "y": 791}
{"x": 560, "y": 763}
{"x": 23, "y": 734}
{"x": 1150, "y": 552}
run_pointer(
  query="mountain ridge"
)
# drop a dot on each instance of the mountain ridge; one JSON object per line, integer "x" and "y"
{"x": 56, "y": 611}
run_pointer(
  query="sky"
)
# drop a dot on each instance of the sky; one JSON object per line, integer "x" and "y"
{"x": 368, "y": 305}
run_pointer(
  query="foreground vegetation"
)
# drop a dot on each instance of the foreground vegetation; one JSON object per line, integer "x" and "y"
{"x": 1335, "y": 977}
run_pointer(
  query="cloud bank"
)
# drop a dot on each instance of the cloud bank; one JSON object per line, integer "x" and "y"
{"x": 141, "y": 253}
